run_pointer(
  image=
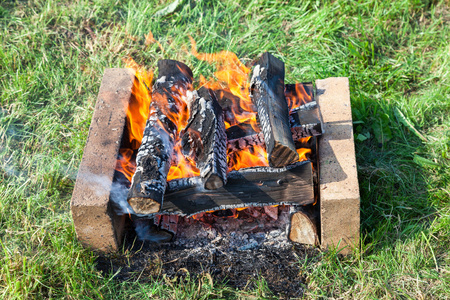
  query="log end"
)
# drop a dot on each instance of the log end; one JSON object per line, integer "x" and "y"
{"x": 144, "y": 206}
{"x": 303, "y": 231}
{"x": 213, "y": 182}
{"x": 282, "y": 156}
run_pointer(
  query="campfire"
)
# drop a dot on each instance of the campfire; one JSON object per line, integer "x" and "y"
{"x": 242, "y": 158}
{"x": 238, "y": 147}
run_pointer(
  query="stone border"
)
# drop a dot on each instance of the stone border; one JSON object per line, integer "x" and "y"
{"x": 339, "y": 189}
{"x": 95, "y": 223}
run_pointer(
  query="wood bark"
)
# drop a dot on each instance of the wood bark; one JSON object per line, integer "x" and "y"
{"x": 267, "y": 90}
{"x": 248, "y": 187}
{"x": 155, "y": 153}
{"x": 204, "y": 140}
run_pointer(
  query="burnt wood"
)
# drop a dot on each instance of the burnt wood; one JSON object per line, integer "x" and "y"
{"x": 267, "y": 90}
{"x": 231, "y": 105}
{"x": 241, "y": 130}
{"x": 304, "y": 120}
{"x": 204, "y": 140}
{"x": 247, "y": 187}
{"x": 245, "y": 142}
{"x": 155, "y": 153}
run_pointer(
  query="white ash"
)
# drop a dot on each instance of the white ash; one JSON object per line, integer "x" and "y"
{"x": 235, "y": 241}
{"x": 161, "y": 80}
{"x": 235, "y": 234}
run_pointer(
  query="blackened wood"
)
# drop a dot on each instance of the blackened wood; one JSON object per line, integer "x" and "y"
{"x": 155, "y": 153}
{"x": 245, "y": 142}
{"x": 205, "y": 140}
{"x": 247, "y": 187}
{"x": 238, "y": 131}
{"x": 267, "y": 90}
{"x": 305, "y": 120}
{"x": 309, "y": 126}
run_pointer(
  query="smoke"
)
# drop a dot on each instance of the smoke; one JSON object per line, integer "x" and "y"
{"x": 146, "y": 231}
{"x": 101, "y": 186}
{"x": 118, "y": 198}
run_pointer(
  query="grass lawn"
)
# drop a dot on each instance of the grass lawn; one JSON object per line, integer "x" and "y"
{"x": 395, "y": 53}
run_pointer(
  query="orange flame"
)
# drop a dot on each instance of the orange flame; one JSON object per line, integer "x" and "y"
{"x": 255, "y": 156}
{"x": 232, "y": 76}
{"x": 139, "y": 105}
{"x": 183, "y": 167}
{"x": 137, "y": 114}
{"x": 303, "y": 154}
{"x": 124, "y": 164}
{"x": 297, "y": 98}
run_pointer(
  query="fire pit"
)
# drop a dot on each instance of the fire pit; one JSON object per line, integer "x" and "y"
{"x": 209, "y": 162}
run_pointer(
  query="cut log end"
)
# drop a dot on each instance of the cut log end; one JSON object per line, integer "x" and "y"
{"x": 144, "y": 206}
{"x": 282, "y": 156}
{"x": 303, "y": 231}
{"x": 213, "y": 182}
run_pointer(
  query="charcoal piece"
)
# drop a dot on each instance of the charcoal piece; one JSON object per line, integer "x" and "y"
{"x": 267, "y": 91}
{"x": 155, "y": 153}
{"x": 204, "y": 140}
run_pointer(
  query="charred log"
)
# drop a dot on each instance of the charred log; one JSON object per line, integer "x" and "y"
{"x": 258, "y": 186}
{"x": 245, "y": 142}
{"x": 240, "y": 130}
{"x": 205, "y": 140}
{"x": 267, "y": 90}
{"x": 155, "y": 153}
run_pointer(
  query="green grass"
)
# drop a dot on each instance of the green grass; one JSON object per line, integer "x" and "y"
{"x": 395, "y": 53}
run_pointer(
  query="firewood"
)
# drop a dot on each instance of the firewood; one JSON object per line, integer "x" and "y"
{"x": 267, "y": 90}
{"x": 245, "y": 142}
{"x": 247, "y": 187}
{"x": 302, "y": 230}
{"x": 205, "y": 140}
{"x": 155, "y": 153}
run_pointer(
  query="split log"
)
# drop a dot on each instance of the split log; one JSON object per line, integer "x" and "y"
{"x": 245, "y": 142}
{"x": 204, "y": 140}
{"x": 302, "y": 230}
{"x": 267, "y": 90}
{"x": 258, "y": 186}
{"x": 304, "y": 120}
{"x": 155, "y": 153}
{"x": 240, "y": 130}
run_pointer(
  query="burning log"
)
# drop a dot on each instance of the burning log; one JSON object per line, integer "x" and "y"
{"x": 267, "y": 90}
{"x": 247, "y": 187}
{"x": 305, "y": 120}
{"x": 205, "y": 140}
{"x": 155, "y": 153}
{"x": 245, "y": 142}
